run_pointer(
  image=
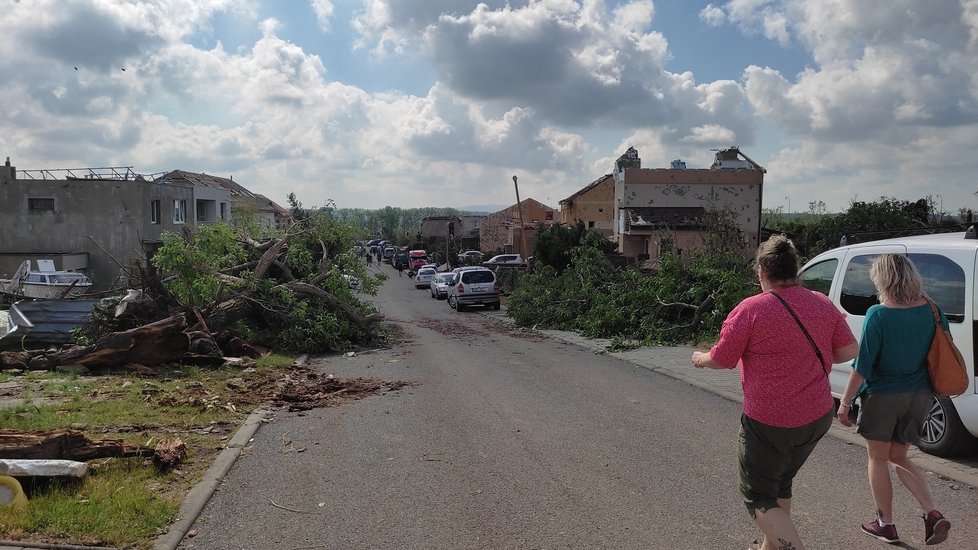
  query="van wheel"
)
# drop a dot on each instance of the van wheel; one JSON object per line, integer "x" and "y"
{"x": 942, "y": 433}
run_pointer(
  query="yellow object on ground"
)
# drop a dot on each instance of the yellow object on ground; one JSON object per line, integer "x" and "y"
{"x": 11, "y": 493}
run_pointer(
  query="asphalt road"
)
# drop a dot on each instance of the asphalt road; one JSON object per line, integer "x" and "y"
{"x": 511, "y": 439}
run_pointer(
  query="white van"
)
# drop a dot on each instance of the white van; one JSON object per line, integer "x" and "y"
{"x": 947, "y": 263}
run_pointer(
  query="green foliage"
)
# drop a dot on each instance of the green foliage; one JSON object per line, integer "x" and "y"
{"x": 317, "y": 244}
{"x": 554, "y": 244}
{"x": 593, "y": 298}
{"x": 196, "y": 259}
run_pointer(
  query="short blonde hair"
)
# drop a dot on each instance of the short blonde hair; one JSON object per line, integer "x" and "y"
{"x": 896, "y": 278}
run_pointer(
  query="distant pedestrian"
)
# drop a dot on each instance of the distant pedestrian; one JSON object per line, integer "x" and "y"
{"x": 891, "y": 376}
{"x": 400, "y": 269}
{"x": 785, "y": 340}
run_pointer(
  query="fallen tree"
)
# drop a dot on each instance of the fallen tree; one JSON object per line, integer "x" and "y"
{"x": 215, "y": 292}
{"x": 64, "y": 445}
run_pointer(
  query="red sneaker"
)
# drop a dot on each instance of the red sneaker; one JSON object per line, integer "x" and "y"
{"x": 935, "y": 527}
{"x": 885, "y": 533}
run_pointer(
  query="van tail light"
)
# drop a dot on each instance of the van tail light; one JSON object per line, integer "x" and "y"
{"x": 495, "y": 287}
{"x": 461, "y": 288}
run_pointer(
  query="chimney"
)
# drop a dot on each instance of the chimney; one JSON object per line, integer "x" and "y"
{"x": 8, "y": 173}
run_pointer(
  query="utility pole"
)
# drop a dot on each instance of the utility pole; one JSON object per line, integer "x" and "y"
{"x": 519, "y": 208}
{"x": 449, "y": 231}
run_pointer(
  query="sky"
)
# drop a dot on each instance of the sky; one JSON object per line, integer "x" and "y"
{"x": 413, "y": 103}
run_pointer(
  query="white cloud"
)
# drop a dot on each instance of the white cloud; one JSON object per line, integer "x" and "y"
{"x": 713, "y": 15}
{"x": 324, "y": 12}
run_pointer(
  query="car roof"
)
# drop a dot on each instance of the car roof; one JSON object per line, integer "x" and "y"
{"x": 938, "y": 240}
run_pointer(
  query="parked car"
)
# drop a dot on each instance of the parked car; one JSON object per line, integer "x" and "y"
{"x": 389, "y": 253}
{"x": 400, "y": 259}
{"x": 417, "y": 259}
{"x": 505, "y": 259}
{"x": 471, "y": 287}
{"x": 424, "y": 277}
{"x": 947, "y": 263}
{"x": 439, "y": 285}
{"x": 470, "y": 256}
{"x": 351, "y": 281}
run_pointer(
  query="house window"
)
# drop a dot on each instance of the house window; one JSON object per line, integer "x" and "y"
{"x": 154, "y": 212}
{"x": 180, "y": 211}
{"x": 549, "y": 216}
{"x": 224, "y": 211}
{"x": 35, "y": 204}
{"x": 590, "y": 225}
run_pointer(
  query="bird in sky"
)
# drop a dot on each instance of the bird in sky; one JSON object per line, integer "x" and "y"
{"x": 123, "y": 69}
{"x": 76, "y": 68}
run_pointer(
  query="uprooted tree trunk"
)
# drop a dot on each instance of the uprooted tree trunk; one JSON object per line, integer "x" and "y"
{"x": 161, "y": 342}
{"x": 64, "y": 445}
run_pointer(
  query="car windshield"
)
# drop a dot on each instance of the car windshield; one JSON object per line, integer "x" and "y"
{"x": 444, "y": 277}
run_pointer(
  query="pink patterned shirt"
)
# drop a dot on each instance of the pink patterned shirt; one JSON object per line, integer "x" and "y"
{"x": 784, "y": 384}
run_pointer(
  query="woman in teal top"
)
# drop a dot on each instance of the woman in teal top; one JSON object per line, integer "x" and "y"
{"x": 893, "y": 349}
{"x": 891, "y": 375}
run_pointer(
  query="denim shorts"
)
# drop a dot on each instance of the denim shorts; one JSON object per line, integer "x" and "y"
{"x": 894, "y": 417}
{"x": 770, "y": 457}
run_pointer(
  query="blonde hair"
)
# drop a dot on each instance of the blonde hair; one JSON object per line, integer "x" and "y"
{"x": 896, "y": 279}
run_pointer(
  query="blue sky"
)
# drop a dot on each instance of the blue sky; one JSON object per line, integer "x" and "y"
{"x": 372, "y": 103}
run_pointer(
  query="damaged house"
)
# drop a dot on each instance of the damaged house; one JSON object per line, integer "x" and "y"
{"x": 662, "y": 209}
{"x": 95, "y": 220}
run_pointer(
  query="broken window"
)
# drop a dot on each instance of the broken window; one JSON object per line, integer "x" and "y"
{"x": 180, "y": 211}
{"x": 155, "y": 216}
{"x": 35, "y": 204}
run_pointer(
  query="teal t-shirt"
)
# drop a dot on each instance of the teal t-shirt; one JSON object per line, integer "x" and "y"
{"x": 893, "y": 349}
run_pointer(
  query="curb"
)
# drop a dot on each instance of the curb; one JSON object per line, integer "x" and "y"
{"x": 193, "y": 504}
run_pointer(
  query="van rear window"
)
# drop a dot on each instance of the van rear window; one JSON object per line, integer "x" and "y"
{"x": 478, "y": 277}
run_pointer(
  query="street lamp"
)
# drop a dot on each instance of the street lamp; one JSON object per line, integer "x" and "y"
{"x": 942, "y": 205}
{"x": 789, "y": 204}
{"x": 519, "y": 208}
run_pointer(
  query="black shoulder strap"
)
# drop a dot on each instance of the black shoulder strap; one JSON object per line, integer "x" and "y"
{"x": 818, "y": 352}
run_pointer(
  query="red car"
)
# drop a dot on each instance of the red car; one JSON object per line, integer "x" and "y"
{"x": 416, "y": 259}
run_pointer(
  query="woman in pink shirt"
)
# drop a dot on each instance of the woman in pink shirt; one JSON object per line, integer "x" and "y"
{"x": 785, "y": 340}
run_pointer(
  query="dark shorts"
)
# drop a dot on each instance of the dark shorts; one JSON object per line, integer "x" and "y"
{"x": 770, "y": 457}
{"x": 894, "y": 417}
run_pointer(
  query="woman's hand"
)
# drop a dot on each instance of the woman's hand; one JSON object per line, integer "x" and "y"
{"x": 843, "y": 414}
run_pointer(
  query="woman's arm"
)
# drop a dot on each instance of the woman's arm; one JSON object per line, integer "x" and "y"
{"x": 855, "y": 381}
{"x": 845, "y": 353}
{"x": 702, "y": 360}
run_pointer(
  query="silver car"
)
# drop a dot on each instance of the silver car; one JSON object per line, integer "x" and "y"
{"x": 424, "y": 277}
{"x": 439, "y": 285}
{"x": 473, "y": 287}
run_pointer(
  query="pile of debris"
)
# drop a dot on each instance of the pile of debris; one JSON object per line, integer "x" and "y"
{"x": 149, "y": 326}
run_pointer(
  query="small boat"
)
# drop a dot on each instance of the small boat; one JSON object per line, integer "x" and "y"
{"x": 44, "y": 282}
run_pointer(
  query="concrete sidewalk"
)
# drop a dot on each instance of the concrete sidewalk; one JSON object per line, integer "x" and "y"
{"x": 675, "y": 363}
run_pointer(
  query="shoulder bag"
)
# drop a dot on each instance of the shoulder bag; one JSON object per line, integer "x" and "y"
{"x": 818, "y": 352}
{"x": 945, "y": 365}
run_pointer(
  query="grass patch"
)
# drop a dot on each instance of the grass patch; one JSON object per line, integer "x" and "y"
{"x": 126, "y": 502}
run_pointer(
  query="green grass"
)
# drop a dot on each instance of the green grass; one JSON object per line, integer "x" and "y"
{"x": 125, "y": 502}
